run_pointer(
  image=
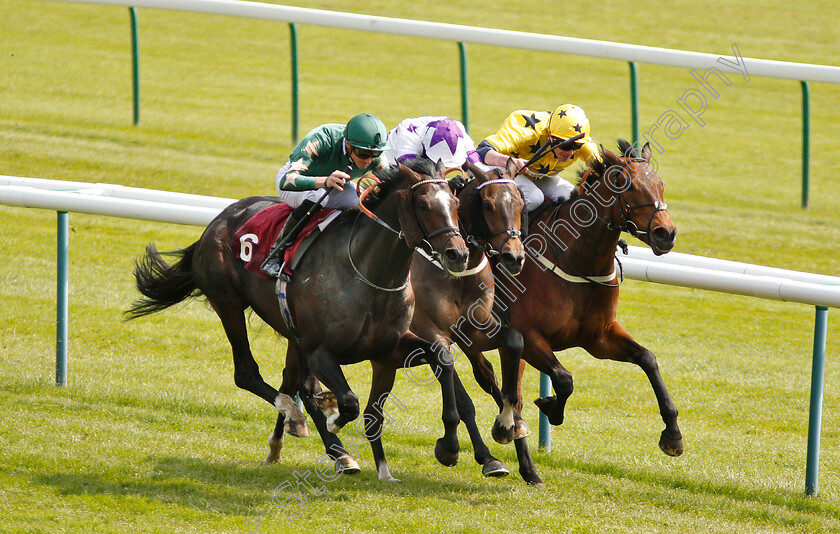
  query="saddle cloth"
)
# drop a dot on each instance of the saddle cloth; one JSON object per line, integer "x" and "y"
{"x": 253, "y": 241}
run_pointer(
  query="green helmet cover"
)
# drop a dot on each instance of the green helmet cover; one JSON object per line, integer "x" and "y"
{"x": 367, "y": 132}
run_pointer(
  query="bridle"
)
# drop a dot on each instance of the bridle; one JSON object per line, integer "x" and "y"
{"x": 625, "y": 209}
{"x": 400, "y": 235}
{"x": 510, "y": 231}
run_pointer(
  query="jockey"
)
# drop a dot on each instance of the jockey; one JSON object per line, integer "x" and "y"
{"x": 326, "y": 159}
{"x": 436, "y": 138}
{"x": 523, "y": 133}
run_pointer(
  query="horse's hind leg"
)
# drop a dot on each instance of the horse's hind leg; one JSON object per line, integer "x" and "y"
{"x": 617, "y": 344}
{"x": 246, "y": 371}
{"x": 289, "y": 387}
{"x": 309, "y": 390}
{"x": 538, "y": 353}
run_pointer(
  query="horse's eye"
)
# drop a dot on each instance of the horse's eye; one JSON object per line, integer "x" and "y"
{"x": 422, "y": 205}
{"x": 488, "y": 206}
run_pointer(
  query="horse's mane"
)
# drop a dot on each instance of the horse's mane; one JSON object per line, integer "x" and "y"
{"x": 599, "y": 166}
{"x": 392, "y": 179}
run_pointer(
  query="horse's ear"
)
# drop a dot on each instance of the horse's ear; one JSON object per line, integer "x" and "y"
{"x": 646, "y": 153}
{"x": 583, "y": 179}
{"x": 408, "y": 220}
{"x": 440, "y": 169}
{"x": 510, "y": 169}
{"x": 477, "y": 173}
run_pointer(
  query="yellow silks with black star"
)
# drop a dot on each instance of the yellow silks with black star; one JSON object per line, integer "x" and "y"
{"x": 525, "y": 131}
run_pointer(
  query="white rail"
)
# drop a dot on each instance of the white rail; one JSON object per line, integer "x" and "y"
{"x": 489, "y": 36}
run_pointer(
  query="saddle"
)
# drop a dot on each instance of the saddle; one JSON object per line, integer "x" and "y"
{"x": 254, "y": 239}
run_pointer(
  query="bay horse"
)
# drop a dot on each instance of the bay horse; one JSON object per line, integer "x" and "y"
{"x": 567, "y": 293}
{"x": 349, "y": 296}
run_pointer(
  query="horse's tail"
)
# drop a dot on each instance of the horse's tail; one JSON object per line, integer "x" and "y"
{"x": 163, "y": 285}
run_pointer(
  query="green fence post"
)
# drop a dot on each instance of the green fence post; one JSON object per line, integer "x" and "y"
{"x": 62, "y": 260}
{"x": 545, "y": 427}
{"x": 634, "y": 104}
{"x": 465, "y": 107}
{"x": 295, "y": 104}
{"x": 806, "y": 141}
{"x": 135, "y": 65}
{"x": 812, "y": 465}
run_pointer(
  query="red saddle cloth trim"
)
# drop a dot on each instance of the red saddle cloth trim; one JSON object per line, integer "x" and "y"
{"x": 254, "y": 239}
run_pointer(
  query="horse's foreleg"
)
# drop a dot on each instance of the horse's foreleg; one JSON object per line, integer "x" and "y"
{"x": 538, "y": 353}
{"x": 617, "y": 344}
{"x": 413, "y": 350}
{"x": 490, "y": 466}
{"x": 509, "y": 425}
{"x": 323, "y": 365}
{"x": 309, "y": 391}
{"x": 374, "y": 416}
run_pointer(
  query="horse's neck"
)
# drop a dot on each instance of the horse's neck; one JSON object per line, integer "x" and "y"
{"x": 379, "y": 253}
{"x": 465, "y": 218}
{"x": 580, "y": 233}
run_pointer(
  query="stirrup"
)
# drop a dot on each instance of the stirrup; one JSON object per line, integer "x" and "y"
{"x": 272, "y": 265}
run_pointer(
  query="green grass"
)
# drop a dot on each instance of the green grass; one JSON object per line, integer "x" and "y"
{"x": 152, "y": 435}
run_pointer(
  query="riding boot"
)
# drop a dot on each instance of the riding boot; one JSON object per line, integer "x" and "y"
{"x": 274, "y": 261}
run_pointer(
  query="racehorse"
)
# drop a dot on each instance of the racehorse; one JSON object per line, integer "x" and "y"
{"x": 459, "y": 305}
{"x": 567, "y": 293}
{"x": 349, "y": 295}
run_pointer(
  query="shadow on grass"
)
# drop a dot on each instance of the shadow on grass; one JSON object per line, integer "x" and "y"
{"x": 238, "y": 488}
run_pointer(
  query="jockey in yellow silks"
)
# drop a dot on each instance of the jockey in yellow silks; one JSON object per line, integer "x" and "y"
{"x": 523, "y": 133}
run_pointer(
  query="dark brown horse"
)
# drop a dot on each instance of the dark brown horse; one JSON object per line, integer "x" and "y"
{"x": 567, "y": 293}
{"x": 349, "y": 296}
{"x": 454, "y": 307}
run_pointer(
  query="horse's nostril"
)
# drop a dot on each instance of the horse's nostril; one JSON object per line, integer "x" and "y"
{"x": 454, "y": 255}
{"x": 513, "y": 262}
{"x": 663, "y": 234}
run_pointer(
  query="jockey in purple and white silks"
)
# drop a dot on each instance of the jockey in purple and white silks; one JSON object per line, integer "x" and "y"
{"x": 437, "y": 138}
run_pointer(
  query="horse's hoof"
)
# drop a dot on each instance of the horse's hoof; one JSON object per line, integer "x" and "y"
{"x": 671, "y": 447}
{"x": 274, "y": 447}
{"x": 347, "y": 465}
{"x": 494, "y": 468}
{"x": 296, "y": 428}
{"x": 521, "y": 429}
{"x": 537, "y": 483}
{"x": 273, "y": 456}
{"x": 445, "y": 457}
{"x": 331, "y": 426}
{"x": 327, "y": 403}
{"x": 390, "y": 480}
{"x": 501, "y": 434}
{"x": 547, "y": 406}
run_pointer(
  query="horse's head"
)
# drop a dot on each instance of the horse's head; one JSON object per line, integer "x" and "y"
{"x": 636, "y": 193}
{"x": 495, "y": 214}
{"x": 428, "y": 214}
